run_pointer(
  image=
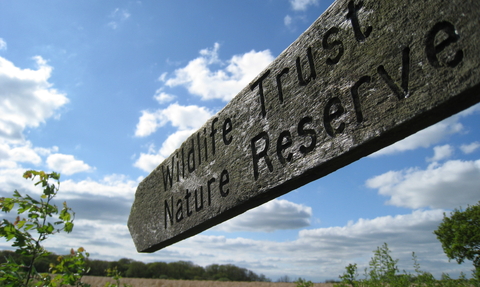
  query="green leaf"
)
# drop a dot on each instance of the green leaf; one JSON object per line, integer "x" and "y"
{"x": 68, "y": 227}
{"x": 65, "y": 215}
{"x": 49, "y": 228}
{"x": 20, "y": 224}
{"x": 29, "y": 226}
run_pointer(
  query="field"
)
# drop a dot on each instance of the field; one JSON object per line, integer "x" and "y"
{"x": 96, "y": 281}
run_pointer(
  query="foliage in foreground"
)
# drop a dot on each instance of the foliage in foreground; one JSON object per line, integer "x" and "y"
{"x": 36, "y": 221}
{"x": 383, "y": 271}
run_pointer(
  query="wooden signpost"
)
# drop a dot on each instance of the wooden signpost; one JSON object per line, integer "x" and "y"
{"x": 365, "y": 75}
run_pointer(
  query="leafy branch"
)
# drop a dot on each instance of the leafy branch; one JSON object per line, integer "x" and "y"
{"x": 32, "y": 226}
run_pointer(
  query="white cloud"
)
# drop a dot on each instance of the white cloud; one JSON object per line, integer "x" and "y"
{"x": 110, "y": 186}
{"x": 148, "y": 123}
{"x": 27, "y": 99}
{"x": 441, "y": 153}
{"x": 174, "y": 141}
{"x": 302, "y": 5}
{"x": 45, "y": 151}
{"x": 365, "y": 230}
{"x": 19, "y": 153}
{"x": 162, "y": 97}
{"x": 149, "y": 161}
{"x": 12, "y": 155}
{"x": 11, "y": 178}
{"x": 66, "y": 164}
{"x": 3, "y": 44}
{"x": 25, "y": 154}
{"x": 453, "y": 184}
{"x": 273, "y": 215}
{"x": 186, "y": 119}
{"x": 181, "y": 117}
{"x": 469, "y": 148}
{"x": 199, "y": 78}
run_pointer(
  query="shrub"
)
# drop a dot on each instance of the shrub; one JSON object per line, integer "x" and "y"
{"x": 28, "y": 233}
{"x": 304, "y": 283}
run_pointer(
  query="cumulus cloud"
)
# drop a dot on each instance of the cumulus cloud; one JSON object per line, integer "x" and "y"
{"x": 148, "y": 123}
{"x": 109, "y": 186}
{"x": 199, "y": 78}
{"x": 11, "y": 178}
{"x": 441, "y": 153}
{"x": 102, "y": 241}
{"x": 470, "y": 148}
{"x": 273, "y": 215}
{"x": 386, "y": 227}
{"x": 181, "y": 117}
{"x": 149, "y": 161}
{"x": 23, "y": 153}
{"x": 12, "y": 155}
{"x": 187, "y": 119}
{"x": 302, "y": 5}
{"x": 162, "y": 97}
{"x": 452, "y": 184}
{"x": 66, "y": 164}
{"x": 27, "y": 99}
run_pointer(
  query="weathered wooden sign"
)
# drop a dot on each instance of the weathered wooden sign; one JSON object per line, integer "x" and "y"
{"x": 365, "y": 75}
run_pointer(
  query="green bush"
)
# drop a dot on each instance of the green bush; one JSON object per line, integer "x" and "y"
{"x": 304, "y": 283}
{"x": 37, "y": 220}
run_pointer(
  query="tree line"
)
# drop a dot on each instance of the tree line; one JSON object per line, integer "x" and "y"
{"x": 180, "y": 270}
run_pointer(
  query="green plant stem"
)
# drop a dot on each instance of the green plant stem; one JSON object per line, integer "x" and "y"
{"x": 41, "y": 237}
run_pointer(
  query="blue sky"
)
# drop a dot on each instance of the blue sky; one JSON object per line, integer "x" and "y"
{"x": 103, "y": 91}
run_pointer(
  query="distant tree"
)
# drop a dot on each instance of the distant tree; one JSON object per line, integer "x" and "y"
{"x": 460, "y": 235}
{"x": 120, "y": 265}
{"x": 179, "y": 270}
{"x": 263, "y": 278}
{"x": 285, "y": 279}
{"x": 137, "y": 269}
{"x": 157, "y": 270}
{"x": 196, "y": 273}
{"x": 97, "y": 267}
